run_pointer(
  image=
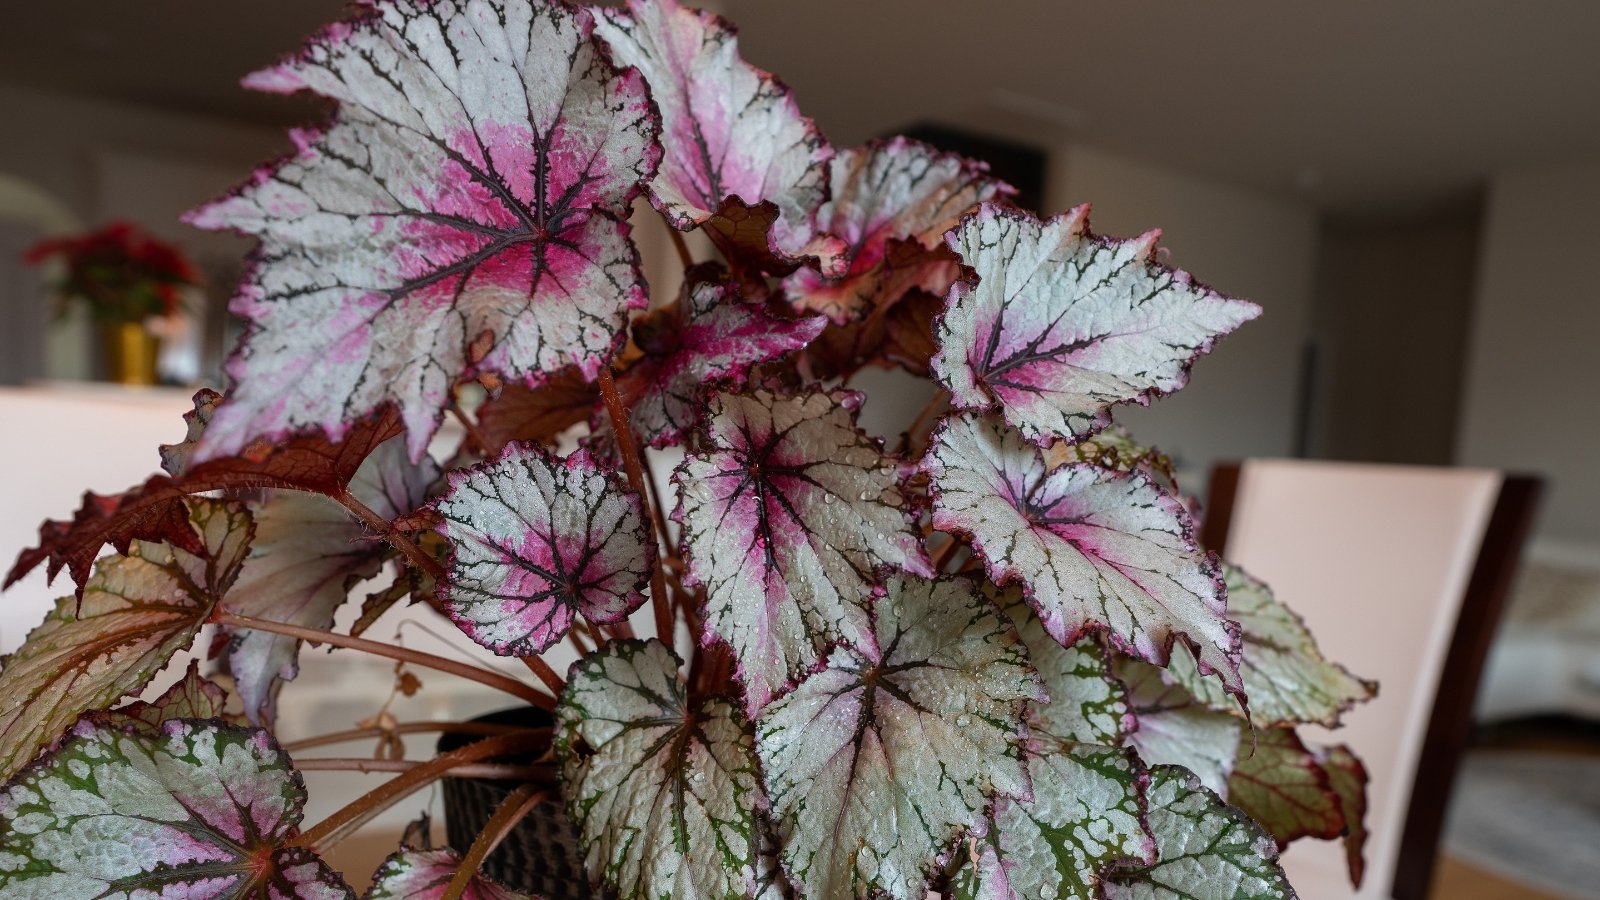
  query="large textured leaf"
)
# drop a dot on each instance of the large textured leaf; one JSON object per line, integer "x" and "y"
{"x": 1086, "y": 813}
{"x": 424, "y": 875}
{"x": 889, "y": 191}
{"x": 1208, "y": 851}
{"x": 1061, "y": 324}
{"x": 878, "y": 762}
{"x": 156, "y": 510}
{"x": 1176, "y": 729}
{"x": 1087, "y": 809}
{"x": 730, "y": 129}
{"x": 1282, "y": 785}
{"x": 199, "y": 810}
{"x": 535, "y": 540}
{"x": 1088, "y": 704}
{"x": 1285, "y": 676}
{"x": 459, "y": 215}
{"x": 308, "y": 553}
{"x": 137, "y": 611}
{"x": 709, "y": 337}
{"x": 1093, "y": 549}
{"x": 785, "y": 515}
{"x": 1348, "y": 778}
{"x": 665, "y": 792}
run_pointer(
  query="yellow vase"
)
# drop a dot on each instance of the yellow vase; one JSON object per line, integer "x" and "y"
{"x": 131, "y": 352}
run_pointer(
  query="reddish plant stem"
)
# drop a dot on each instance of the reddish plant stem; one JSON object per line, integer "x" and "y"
{"x": 355, "y": 734}
{"x": 680, "y": 245}
{"x": 669, "y": 552}
{"x": 483, "y": 676}
{"x": 361, "y": 810}
{"x": 939, "y": 398}
{"x": 942, "y": 556}
{"x": 473, "y": 433}
{"x": 630, "y": 465}
{"x": 545, "y": 774}
{"x": 549, "y": 676}
{"x": 383, "y": 528}
{"x": 506, "y": 816}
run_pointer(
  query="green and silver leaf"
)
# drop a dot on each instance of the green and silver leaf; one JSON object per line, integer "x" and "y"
{"x": 1282, "y": 785}
{"x": 200, "y": 809}
{"x": 1206, "y": 849}
{"x": 1285, "y": 676}
{"x": 136, "y": 612}
{"x": 665, "y": 793}
{"x": 1086, "y": 814}
{"x": 880, "y": 761}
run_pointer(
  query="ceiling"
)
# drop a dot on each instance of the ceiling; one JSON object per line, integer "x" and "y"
{"x": 1359, "y": 106}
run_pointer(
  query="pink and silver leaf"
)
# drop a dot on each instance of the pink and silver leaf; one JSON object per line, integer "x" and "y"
{"x": 1058, "y": 324}
{"x": 880, "y": 762}
{"x": 307, "y": 556}
{"x": 665, "y": 791}
{"x": 425, "y": 874}
{"x": 711, "y": 336}
{"x": 459, "y": 216}
{"x": 137, "y": 612}
{"x": 1205, "y": 849}
{"x": 1093, "y": 549}
{"x": 535, "y": 541}
{"x": 731, "y": 130}
{"x": 198, "y": 809}
{"x": 786, "y": 513}
{"x": 891, "y": 191}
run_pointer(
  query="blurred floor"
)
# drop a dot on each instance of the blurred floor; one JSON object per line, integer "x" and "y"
{"x": 1457, "y": 880}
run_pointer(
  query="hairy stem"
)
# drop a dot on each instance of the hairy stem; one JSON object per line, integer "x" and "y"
{"x": 471, "y": 427}
{"x": 483, "y": 676}
{"x": 630, "y": 464}
{"x": 484, "y": 729}
{"x": 506, "y": 816}
{"x": 358, "y": 812}
{"x": 387, "y": 531}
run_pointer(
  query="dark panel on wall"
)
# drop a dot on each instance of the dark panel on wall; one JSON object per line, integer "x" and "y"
{"x": 1020, "y": 165}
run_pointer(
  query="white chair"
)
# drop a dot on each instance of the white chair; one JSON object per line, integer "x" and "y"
{"x": 1401, "y": 573}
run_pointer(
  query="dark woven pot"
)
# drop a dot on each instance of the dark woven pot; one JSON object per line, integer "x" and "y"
{"x": 541, "y": 855}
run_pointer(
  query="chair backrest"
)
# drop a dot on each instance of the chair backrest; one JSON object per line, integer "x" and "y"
{"x": 1401, "y": 573}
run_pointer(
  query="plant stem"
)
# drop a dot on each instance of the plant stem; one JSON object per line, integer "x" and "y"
{"x": 471, "y": 428}
{"x": 678, "y": 243}
{"x": 549, "y": 676}
{"x": 506, "y": 816}
{"x": 383, "y": 528}
{"x": 939, "y": 398}
{"x": 469, "y": 770}
{"x": 630, "y": 464}
{"x": 355, "y": 734}
{"x": 483, "y": 676}
{"x": 669, "y": 551}
{"x": 361, "y": 810}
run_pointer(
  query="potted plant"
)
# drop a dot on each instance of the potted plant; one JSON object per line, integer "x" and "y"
{"x": 988, "y": 661}
{"x": 124, "y": 277}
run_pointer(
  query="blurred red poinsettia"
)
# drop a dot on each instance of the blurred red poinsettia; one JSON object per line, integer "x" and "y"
{"x": 120, "y": 271}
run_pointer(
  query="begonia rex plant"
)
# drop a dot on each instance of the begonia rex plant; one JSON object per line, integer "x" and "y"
{"x": 989, "y": 661}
